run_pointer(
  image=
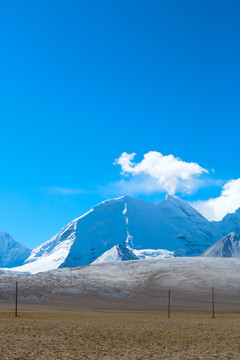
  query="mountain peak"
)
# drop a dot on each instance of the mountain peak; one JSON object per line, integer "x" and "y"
{"x": 114, "y": 201}
{"x": 176, "y": 200}
{"x": 173, "y": 199}
{"x": 180, "y": 207}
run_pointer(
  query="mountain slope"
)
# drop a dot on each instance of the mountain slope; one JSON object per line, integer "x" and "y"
{"x": 12, "y": 253}
{"x": 228, "y": 246}
{"x": 187, "y": 225}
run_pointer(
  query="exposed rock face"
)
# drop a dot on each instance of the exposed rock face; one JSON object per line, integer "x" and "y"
{"x": 228, "y": 246}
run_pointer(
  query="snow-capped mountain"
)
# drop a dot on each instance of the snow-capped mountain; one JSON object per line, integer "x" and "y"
{"x": 172, "y": 224}
{"x": 12, "y": 253}
{"x": 228, "y": 246}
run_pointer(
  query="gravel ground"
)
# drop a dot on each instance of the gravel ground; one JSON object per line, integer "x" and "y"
{"x": 117, "y": 335}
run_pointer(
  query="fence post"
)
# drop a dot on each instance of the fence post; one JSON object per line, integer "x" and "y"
{"x": 213, "y": 310}
{"x": 168, "y": 304}
{"x": 16, "y": 300}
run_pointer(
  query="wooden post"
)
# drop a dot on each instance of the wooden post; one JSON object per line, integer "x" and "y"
{"x": 213, "y": 310}
{"x": 16, "y": 300}
{"x": 168, "y": 304}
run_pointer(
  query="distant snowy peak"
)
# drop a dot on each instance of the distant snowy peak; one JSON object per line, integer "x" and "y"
{"x": 12, "y": 253}
{"x": 116, "y": 253}
{"x": 228, "y": 246}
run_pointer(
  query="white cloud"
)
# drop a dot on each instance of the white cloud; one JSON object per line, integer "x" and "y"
{"x": 227, "y": 202}
{"x": 157, "y": 172}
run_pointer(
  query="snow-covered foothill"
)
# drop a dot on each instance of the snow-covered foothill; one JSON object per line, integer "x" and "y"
{"x": 115, "y": 254}
{"x": 129, "y": 278}
{"x": 124, "y": 253}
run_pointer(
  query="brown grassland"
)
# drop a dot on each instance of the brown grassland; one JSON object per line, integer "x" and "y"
{"x": 54, "y": 334}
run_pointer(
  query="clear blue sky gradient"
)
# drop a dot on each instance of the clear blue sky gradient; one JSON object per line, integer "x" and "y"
{"x": 84, "y": 81}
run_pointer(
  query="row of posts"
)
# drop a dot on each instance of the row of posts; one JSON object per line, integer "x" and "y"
{"x": 169, "y": 302}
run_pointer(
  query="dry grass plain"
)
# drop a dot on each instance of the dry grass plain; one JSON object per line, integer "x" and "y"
{"x": 110, "y": 334}
{"x": 119, "y": 311}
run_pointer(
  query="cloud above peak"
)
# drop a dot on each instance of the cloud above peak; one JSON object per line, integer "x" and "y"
{"x": 157, "y": 172}
{"x": 227, "y": 202}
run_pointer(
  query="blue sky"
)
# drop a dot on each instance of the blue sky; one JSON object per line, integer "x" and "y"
{"x": 84, "y": 81}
